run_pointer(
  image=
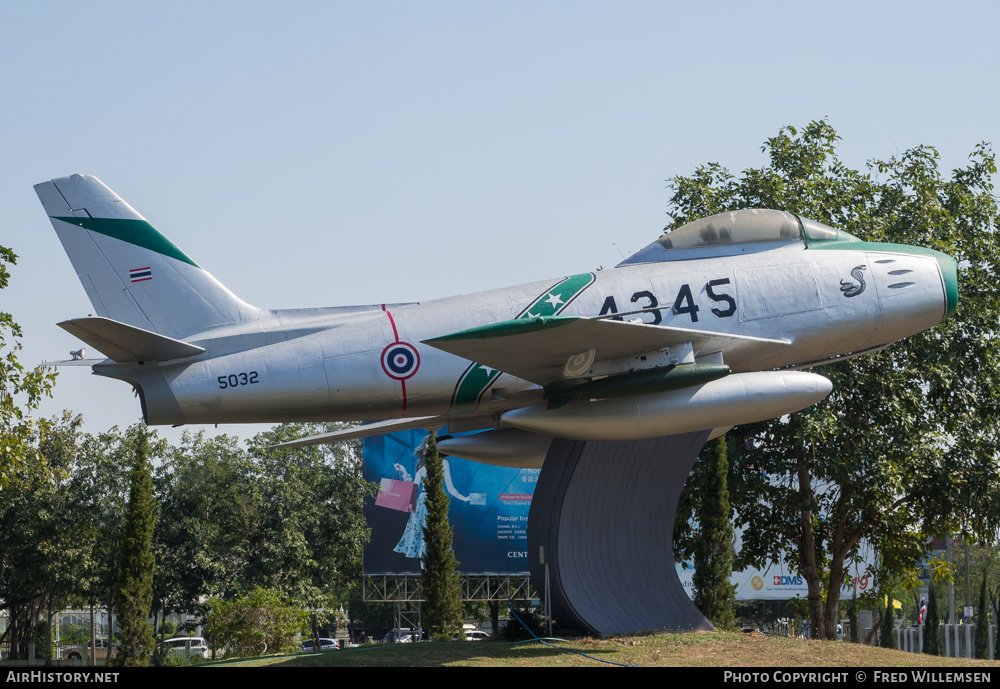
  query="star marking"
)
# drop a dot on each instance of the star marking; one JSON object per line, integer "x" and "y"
{"x": 489, "y": 371}
{"x": 555, "y": 300}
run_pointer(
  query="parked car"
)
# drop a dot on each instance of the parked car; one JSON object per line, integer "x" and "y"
{"x": 401, "y": 636}
{"x": 471, "y": 635}
{"x": 186, "y": 647}
{"x": 324, "y": 645}
{"x": 77, "y": 651}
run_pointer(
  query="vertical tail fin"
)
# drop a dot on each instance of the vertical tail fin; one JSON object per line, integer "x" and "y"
{"x": 130, "y": 271}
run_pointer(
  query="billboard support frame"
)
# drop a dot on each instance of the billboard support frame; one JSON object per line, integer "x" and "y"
{"x": 405, "y": 588}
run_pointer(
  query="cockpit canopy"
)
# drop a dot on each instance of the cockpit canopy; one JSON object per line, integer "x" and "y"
{"x": 742, "y": 231}
{"x": 735, "y": 227}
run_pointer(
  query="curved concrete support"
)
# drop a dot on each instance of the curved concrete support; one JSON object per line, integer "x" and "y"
{"x": 604, "y": 513}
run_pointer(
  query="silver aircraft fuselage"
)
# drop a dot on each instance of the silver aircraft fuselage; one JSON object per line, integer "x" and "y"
{"x": 707, "y": 327}
{"x": 328, "y": 365}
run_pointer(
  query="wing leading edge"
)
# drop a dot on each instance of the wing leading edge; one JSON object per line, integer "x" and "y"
{"x": 367, "y": 430}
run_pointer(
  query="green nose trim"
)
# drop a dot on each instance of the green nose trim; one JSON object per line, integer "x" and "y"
{"x": 948, "y": 266}
{"x": 949, "y": 271}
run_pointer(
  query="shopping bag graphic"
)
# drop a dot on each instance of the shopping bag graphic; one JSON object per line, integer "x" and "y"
{"x": 397, "y": 495}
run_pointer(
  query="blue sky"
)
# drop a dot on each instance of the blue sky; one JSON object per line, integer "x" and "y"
{"x": 319, "y": 153}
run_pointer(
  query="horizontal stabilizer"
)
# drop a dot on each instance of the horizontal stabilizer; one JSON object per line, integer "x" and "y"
{"x": 123, "y": 343}
{"x": 369, "y": 429}
{"x": 537, "y": 349}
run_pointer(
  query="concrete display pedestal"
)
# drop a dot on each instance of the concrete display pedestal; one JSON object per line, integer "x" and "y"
{"x": 603, "y": 516}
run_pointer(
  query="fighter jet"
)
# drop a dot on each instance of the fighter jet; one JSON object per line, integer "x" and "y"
{"x": 709, "y": 326}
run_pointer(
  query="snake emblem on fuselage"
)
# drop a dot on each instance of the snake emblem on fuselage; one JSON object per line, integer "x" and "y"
{"x": 849, "y": 288}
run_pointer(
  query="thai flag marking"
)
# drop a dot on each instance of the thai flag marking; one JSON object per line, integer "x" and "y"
{"x": 140, "y": 274}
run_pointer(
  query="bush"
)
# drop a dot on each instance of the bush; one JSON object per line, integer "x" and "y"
{"x": 513, "y": 630}
{"x": 254, "y": 624}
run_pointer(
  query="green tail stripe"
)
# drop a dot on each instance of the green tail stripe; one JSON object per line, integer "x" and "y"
{"x": 477, "y": 378}
{"x": 137, "y": 232}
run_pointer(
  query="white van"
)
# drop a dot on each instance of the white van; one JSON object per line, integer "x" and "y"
{"x": 186, "y": 647}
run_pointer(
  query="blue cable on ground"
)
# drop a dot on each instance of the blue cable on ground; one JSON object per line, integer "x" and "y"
{"x": 561, "y": 648}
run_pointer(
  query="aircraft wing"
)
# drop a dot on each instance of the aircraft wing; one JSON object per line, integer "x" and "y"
{"x": 73, "y": 362}
{"x": 369, "y": 429}
{"x": 537, "y": 349}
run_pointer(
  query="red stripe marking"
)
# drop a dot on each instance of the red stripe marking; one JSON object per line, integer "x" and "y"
{"x": 142, "y": 279}
{"x": 396, "y": 335}
{"x": 392, "y": 323}
{"x": 132, "y": 270}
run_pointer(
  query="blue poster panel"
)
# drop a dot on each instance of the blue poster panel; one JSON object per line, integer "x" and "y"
{"x": 488, "y": 512}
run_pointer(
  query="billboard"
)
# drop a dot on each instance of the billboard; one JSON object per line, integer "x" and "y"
{"x": 780, "y": 580}
{"x": 488, "y": 511}
{"x": 489, "y": 514}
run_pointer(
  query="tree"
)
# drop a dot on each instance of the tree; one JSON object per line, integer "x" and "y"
{"x": 43, "y": 558}
{"x": 323, "y": 488}
{"x": 286, "y": 520}
{"x": 440, "y": 580}
{"x": 62, "y": 526}
{"x": 887, "y": 630}
{"x": 852, "y": 616}
{"x": 21, "y": 391}
{"x": 932, "y": 623}
{"x": 714, "y": 595}
{"x": 100, "y": 487}
{"x": 985, "y": 559}
{"x": 209, "y": 511}
{"x": 982, "y": 623}
{"x": 907, "y": 443}
{"x": 134, "y": 593}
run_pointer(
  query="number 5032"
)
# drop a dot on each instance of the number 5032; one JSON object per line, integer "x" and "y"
{"x": 236, "y": 379}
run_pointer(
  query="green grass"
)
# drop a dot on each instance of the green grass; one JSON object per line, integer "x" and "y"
{"x": 708, "y": 649}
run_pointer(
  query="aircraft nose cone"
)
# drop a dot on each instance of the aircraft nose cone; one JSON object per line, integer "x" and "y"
{"x": 949, "y": 275}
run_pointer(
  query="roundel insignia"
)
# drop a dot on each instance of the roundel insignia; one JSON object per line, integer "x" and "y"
{"x": 400, "y": 360}
{"x": 578, "y": 365}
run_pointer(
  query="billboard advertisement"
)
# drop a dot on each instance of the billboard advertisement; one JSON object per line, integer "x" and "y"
{"x": 488, "y": 511}
{"x": 780, "y": 580}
